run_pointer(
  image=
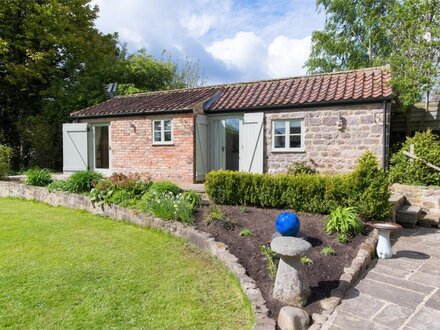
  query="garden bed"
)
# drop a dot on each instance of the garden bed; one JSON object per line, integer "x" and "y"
{"x": 323, "y": 274}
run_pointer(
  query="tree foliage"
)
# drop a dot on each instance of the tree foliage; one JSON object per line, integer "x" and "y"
{"x": 365, "y": 33}
{"x": 54, "y": 61}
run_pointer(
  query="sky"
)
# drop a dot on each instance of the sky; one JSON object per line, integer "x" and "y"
{"x": 233, "y": 40}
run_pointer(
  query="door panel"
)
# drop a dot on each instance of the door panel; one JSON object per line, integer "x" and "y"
{"x": 101, "y": 148}
{"x": 75, "y": 146}
{"x": 251, "y": 141}
{"x": 201, "y": 147}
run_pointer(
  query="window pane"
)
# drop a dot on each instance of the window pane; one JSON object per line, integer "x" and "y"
{"x": 295, "y": 141}
{"x": 295, "y": 127}
{"x": 167, "y": 136}
{"x": 157, "y": 125}
{"x": 156, "y": 136}
{"x": 280, "y": 141}
{"x": 167, "y": 124}
{"x": 280, "y": 127}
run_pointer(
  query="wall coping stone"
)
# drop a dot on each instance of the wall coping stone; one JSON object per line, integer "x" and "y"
{"x": 201, "y": 240}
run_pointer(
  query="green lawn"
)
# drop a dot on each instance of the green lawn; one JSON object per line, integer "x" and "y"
{"x": 62, "y": 268}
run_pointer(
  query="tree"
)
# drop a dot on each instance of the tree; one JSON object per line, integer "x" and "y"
{"x": 141, "y": 72}
{"x": 52, "y": 61}
{"x": 365, "y": 33}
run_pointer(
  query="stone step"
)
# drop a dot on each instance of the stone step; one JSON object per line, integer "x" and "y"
{"x": 408, "y": 215}
{"x": 431, "y": 219}
{"x": 397, "y": 201}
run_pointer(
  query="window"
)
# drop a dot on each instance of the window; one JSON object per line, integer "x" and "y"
{"x": 162, "y": 131}
{"x": 288, "y": 135}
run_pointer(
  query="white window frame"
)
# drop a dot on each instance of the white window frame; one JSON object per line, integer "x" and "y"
{"x": 162, "y": 141}
{"x": 287, "y": 135}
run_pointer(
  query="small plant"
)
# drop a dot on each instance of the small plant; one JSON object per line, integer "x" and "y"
{"x": 82, "y": 181}
{"x": 243, "y": 209}
{"x": 40, "y": 177}
{"x": 246, "y": 232}
{"x": 328, "y": 251}
{"x": 193, "y": 198}
{"x": 161, "y": 187}
{"x": 5, "y": 159}
{"x": 306, "y": 261}
{"x": 214, "y": 214}
{"x": 270, "y": 258}
{"x": 296, "y": 168}
{"x": 345, "y": 222}
{"x": 57, "y": 185}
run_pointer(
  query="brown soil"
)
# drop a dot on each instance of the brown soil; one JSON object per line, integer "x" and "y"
{"x": 322, "y": 275}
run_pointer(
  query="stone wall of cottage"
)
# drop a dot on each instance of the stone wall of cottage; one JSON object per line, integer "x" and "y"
{"x": 327, "y": 148}
{"x": 133, "y": 150}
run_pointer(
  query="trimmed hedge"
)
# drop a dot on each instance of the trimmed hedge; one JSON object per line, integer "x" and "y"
{"x": 366, "y": 189}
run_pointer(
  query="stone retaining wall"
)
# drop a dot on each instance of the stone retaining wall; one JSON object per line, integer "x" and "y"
{"x": 203, "y": 241}
{"x": 426, "y": 197}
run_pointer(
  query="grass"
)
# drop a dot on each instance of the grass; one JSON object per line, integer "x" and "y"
{"x": 63, "y": 268}
{"x": 270, "y": 258}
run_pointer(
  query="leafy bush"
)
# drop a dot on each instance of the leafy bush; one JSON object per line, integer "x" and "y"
{"x": 82, "y": 181}
{"x": 162, "y": 187}
{"x": 57, "y": 185}
{"x": 40, "y": 177}
{"x": 296, "y": 168}
{"x": 427, "y": 147}
{"x": 5, "y": 159}
{"x": 369, "y": 188}
{"x": 167, "y": 206}
{"x": 345, "y": 222}
{"x": 366, "y": 187}
{"x": 131, "y": 183}
{"x": 193, "y": 198}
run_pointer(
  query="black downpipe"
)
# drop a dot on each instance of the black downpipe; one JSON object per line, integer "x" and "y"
{"x": 385, "y": 156}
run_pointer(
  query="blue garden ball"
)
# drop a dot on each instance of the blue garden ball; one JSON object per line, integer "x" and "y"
{"x": 287, "y": 224}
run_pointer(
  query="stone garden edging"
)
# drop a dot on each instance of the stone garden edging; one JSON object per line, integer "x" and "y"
{"x": 202, "y": 240}
{"x": 347, "y": 280}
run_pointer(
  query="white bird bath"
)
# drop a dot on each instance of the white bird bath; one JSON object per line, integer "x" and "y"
{"x": 383, "y": 249}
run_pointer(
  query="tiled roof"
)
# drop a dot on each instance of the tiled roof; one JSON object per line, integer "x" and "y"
{"x": 356, "y": 85}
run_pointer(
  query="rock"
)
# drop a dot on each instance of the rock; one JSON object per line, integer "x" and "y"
{"x": 290, "y": 246}
{"x": 293, "y": 318}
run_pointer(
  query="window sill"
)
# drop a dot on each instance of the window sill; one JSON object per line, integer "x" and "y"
{"x": 162, "y": 144}
{"x": 288, "y": 151}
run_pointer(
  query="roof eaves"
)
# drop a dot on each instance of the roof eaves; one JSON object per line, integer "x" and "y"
{"x": 131, "y": 114}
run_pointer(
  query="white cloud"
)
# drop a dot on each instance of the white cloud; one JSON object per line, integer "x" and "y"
{"x": 248, "y": 53}
{"x": 234, "y": 40}
{"x": 198, "y": 25}
{"x": 245, "y": 51}
{"x": 286, "y": 57}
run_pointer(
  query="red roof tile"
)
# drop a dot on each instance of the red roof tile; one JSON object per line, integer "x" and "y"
{"x": 365, "y": 84}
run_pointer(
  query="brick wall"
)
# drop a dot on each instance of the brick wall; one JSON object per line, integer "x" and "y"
{"x": 134, "y": 152}
{"x": 327, "y": 148}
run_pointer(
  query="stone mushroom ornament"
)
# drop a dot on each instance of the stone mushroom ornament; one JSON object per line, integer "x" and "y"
{"x": 291, "y": 286}
{"x": 383, "y": 249}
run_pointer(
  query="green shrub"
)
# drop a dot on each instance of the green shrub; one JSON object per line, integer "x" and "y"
{"x": 130, "y": 183}
{"x": 5, "y": 160}
{"x": 345, "y": 222}
{"x": 167, "y": 206}
{"x": 296, "y": 168}
{"x": 82, "y": 181}
{"x": 57, "y": 185}
{"x": 369, "y": 188}
{"x": 40, "y": 177}
{"x": 193, "y": 198}
{"x": 366, "y": 188}
{"x": 161, "y": 187}
{"x": 427, "y": 147}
